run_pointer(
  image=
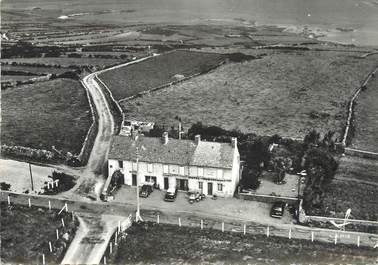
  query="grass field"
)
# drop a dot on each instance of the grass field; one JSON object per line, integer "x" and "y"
{"x": 130, "y": 80}
{"x": 286, "y": 92}
{"x": 342, "y": 195}
{"x": 66, "y": 61}
{"x": 42, "y": 115}
{"x": 358, "y": 168}
{"x": 168, "y": 244}
{"x": 6, "y": 78}
{"x": 25, "y": 234}
{"x": 34, "y": 69}
{"x": 366, "y": 118}
{"x": 348, "y": 190}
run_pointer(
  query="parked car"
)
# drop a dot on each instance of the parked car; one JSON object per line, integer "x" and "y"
{"x": 194, "y": 196}
{"x": 278, "y": 209}
{"x": 170, "y": 195}
{"x": 145, "y": 191}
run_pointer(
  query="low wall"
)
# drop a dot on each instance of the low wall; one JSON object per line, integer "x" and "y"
{"x": 92, "y": 132}
{"x": 114, "y": 107}
{"x": 171, "y": 83}
{"x": 349, "y": 122}
{"x": 340, "y": 220}
{"x": 265, "y": 198}
{"x": 361, "y": 153}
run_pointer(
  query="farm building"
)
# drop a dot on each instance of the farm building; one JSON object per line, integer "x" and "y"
{"x": 211, "y": 167}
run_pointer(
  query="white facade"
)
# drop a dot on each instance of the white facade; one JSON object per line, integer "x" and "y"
{"x": 212, "y": 181}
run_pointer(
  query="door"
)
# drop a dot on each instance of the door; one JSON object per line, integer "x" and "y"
{"x": 133, "y": 179}
{"x": 166, "y": 183}
{"x": 183, "y": 184}
{"x": 210, "y": 188}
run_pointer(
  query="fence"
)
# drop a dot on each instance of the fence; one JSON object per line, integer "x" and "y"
{"x": 207, "y": 221}
{"x": 361, "y": 153}
{"x": 287, "y": 231}
{"x": 56, "y": 247}
{"x": 118, "y": 235}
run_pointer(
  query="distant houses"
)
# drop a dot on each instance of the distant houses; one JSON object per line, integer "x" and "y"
{"x": 209, "y": 167}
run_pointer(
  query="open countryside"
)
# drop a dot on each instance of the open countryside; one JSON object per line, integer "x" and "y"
{"x": 174, "y": 131}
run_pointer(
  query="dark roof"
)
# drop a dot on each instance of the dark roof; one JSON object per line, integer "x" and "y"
{"x": 178, "y": 152}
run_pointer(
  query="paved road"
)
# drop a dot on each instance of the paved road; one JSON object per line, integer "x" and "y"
{"x": 91, "y": 239}
{"x": 210, "y": 220}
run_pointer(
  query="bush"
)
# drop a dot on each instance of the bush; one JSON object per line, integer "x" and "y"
{"x": 4, "y": 186}
{"x": 66, "y": 182}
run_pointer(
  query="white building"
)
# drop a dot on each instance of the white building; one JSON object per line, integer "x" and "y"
{"x": 188, "y": 165}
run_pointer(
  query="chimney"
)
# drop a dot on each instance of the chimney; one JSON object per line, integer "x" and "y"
{"x": 197, "y": 139}
{"x": 164, "y": 138}
{"x": 234, "y": 142}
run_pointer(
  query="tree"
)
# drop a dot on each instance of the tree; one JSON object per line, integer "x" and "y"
{"x": 321, "y": 167}
{"x": 281, "y": 165}
{"x": 250, "y": 179}
{"x": 312, "y": 138}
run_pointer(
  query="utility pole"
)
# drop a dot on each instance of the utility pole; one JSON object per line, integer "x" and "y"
{"x": 31, "y": 177}
{"x": 179, "y": 130}
{"x": 137, "y": 214}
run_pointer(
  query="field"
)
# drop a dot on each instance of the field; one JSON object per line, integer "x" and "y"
{"x": 285, "y": 92}
{"x": 25, "y": 234}
{"x": 65, "y": 62}
{"x": 168, "y": 244}
{"x": 42, "y": 115}
{"x": 355, "y": 186}
{"x": 366, "y": 118}
{"x": 10, "y": 78}
{"x": 130, "y": 80}
{"x": 33, "y": 69}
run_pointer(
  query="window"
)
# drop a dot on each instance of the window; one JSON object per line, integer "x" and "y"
{"x": 220, "y": 187}
{"x": 220, "y": 173}
{"x": 173, "y": 169}
{"x": 182, "y": 171}
{"x": 165, "y": 169}
{"x": 200, "y": 172}
{"x": 134, "y": 166}
{"x": 149, "y": 168}
{"x": 193, "y": 171}
{"x": 120, "y": 164}
{"x": 200, "y": 185}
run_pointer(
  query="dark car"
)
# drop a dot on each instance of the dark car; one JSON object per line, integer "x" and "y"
{"x": 277, "y": 210}
{"x": 170, "y": 195}
{"x": 145, "y": 191}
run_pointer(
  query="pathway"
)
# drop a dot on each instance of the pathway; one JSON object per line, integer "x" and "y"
{"x": 91, "y": 239}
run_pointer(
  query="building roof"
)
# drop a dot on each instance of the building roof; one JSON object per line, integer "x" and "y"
{"x": 178, "y": 152}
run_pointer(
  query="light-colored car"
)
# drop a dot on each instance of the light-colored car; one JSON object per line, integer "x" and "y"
{"x": 170, "y": 195}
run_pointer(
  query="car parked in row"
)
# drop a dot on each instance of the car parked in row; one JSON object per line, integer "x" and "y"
{"x": 278, "y": 209}
{"x": 195, "y": 196}
{"x": 145, "y": 191}
{"x": 170, "y": 195}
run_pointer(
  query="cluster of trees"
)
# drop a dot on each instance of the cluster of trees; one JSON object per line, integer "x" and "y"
{"x": 320, "y": 165}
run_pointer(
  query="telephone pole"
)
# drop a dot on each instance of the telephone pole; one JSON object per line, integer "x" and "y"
{"x": 137, "y": 214}
{"x": 31, "y": 177}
